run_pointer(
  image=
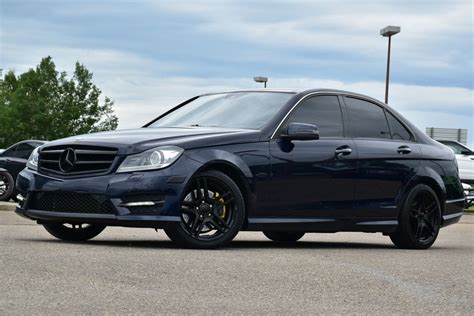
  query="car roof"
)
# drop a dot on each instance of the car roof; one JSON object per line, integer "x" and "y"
{"x": 42, "y": 142}
{"x": 297, "y": 91}
{"x": 452, "y": 141}
{"x": 31, "y": 141}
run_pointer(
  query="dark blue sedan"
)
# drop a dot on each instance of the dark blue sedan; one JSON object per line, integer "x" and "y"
{"x": 282, "y": 162}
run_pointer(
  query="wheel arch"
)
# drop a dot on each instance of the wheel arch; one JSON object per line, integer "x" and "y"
{"x": 236, "y": 174}
{"x": 437, "y": 188}
{"x": 430, "y": 179}
{"x": 234, "y": 167}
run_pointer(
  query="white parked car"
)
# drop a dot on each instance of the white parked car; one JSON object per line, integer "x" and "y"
{"x": 465, "y": 159}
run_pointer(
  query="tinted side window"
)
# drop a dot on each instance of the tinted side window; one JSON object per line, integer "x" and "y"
{"x": 455, "y": 147}
{"x": 23, "y": 151}
{"x": 368, "y": 120}
{"x": 323, "y": 111}
{"x": 10, "y": 152}
{"x": 399, "y": 131}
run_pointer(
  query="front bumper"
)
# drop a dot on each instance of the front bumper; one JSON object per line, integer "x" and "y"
{"x": 114, "y": 190}
{"x": 129, "y": 220}
{"x": 469, "y": 194}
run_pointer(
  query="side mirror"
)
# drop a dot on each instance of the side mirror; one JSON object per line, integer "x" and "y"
{"x": 466, "y": 152}
{"x": 301, "y": 131}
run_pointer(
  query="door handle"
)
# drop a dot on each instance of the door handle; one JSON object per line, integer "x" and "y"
{"x": 404, "y": 150}
{"x": 8, "y": 160}
{"x": 343, "y": 151}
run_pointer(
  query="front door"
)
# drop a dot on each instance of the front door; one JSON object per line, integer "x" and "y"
{"x": 313, "y": 178}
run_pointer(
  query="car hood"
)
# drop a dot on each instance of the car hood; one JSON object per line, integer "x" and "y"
{"x": 137, "y": 140}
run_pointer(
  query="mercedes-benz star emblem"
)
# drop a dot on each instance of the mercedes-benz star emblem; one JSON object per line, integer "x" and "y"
{"x": 67, "y": 161}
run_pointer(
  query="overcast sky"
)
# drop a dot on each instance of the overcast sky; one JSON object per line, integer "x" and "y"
{"x": 150, "y": 55}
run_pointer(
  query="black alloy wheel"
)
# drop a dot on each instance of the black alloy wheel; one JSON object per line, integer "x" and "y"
{"x": 74, "y": 231}
{"x": 6, "y": 186}
{"x": 212, "y": 212}
{"x": 420, "y": 220}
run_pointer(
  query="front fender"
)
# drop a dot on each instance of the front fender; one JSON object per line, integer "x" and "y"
{"x": 212, "y": 157}
{"x": 251, "y": 165}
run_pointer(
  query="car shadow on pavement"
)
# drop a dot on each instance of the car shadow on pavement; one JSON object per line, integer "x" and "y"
{"x": 236, "y": 244}
{"x": 306, "y": 245}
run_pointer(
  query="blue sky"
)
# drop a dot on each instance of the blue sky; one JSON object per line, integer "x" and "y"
{"x": 149, "y": 55}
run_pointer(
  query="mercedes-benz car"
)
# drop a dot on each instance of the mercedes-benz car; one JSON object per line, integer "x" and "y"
{"x": 12, "y": 161}
{"x": 282, "y": 162}
{"x": 465, "y": 159}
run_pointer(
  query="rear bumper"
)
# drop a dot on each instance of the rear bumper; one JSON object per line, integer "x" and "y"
{"x": 453, "y": 211}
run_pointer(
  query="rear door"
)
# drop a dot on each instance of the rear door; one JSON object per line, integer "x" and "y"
{"x": 388, "y": 158}
{"x": 16, "y": 161}
{"x": 5, "y": 157}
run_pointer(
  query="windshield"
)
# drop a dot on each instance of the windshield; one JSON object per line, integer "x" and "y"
{"x": 248, "y": 110}
{"x": 457, "y": 148}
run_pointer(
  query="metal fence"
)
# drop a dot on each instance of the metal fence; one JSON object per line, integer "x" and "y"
{"x": 456, "y": 134}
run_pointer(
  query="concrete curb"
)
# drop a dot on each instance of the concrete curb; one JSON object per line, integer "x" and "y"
{"x": 7, "y": 206}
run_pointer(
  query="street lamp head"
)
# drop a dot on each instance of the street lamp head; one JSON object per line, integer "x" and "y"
{"x": 260, "y": 79}
{"x": 389, "y": 31}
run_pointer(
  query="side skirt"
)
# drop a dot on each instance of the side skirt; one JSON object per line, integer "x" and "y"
{"x": 323, "y": 225}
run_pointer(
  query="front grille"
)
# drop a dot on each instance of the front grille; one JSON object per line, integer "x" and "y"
{"x": 70, "y": 202}
{"x": 84, "y": 160}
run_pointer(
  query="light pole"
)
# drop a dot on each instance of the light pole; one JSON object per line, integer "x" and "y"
{"x": 261, "y": 79}
{"x": 388, "y": 31}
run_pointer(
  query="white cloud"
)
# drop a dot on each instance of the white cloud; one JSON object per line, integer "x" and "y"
{"x": 338, "y": 25}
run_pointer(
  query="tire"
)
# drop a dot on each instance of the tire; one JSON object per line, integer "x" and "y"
{"x": 283, "y": 236}
{"x": 7, "y": 186}
{"x": 212, "y": 212}
{"x": 419, "y": 220}
{"x": 77, "y": 232}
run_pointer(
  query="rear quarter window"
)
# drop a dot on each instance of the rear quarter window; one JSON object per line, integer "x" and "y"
{"x": 398, "y": 131}
{"x": 367, "y": 119}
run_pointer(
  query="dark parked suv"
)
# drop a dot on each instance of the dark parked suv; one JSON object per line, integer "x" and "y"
{"x": 282, "y": 162}
{"x": 12, "y": 161}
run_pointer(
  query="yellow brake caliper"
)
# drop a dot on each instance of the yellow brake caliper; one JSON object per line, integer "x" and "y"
{"x": 221, "y": 200}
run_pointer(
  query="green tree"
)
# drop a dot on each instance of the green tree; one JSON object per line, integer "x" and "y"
{"x": 44, "y": 104}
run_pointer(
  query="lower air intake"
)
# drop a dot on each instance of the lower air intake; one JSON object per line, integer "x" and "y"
{"x": 69, "y": 202}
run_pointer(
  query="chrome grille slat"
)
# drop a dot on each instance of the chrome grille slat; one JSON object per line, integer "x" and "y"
{"x": 93, "y": 162}
{"x": 49, "y": 161}
{"x": 73, "y": 173}
{"x": 92, "y": 152}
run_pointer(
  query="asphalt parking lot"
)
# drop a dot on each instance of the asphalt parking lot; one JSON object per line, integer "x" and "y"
{"x": 127, "y": 270}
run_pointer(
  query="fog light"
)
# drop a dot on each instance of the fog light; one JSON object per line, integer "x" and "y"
{"x": 142, "y": 203}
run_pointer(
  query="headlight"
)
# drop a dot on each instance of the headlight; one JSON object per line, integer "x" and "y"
{"x": 156, "y": 158}
{"x": 33, "y": 160}
{"x": 467, "y": 188}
